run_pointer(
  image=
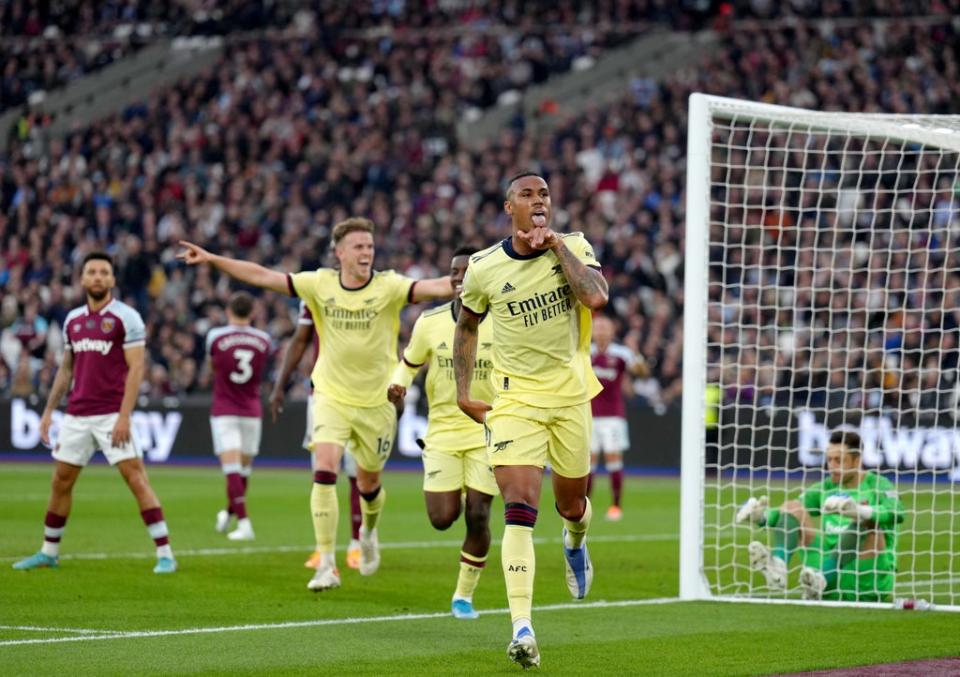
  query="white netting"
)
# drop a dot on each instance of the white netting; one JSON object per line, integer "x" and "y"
{"x": 833, "y": 298}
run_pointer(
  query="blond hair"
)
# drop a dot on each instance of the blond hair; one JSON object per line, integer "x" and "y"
{"x": 352, "y": 225}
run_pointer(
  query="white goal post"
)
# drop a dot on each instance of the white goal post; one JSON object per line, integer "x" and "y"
{"x": 822, "y": 291}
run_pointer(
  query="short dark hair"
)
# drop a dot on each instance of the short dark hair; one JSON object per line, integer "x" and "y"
{"x": 465, "y": 250}
{"x": 848, "y": 438}
{"x": 97, "y": 256}
{"x": 517, "y": 177}
{"x": 241, "y": 304}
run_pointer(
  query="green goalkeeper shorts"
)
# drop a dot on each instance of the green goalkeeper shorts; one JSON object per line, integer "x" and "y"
{"x": 861, "y": 580}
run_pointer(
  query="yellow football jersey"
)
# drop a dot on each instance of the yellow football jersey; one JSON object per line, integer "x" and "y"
{"x": 358, "y": 331}
{"x": 448, "y": 428}
{"x": 541, "y": 333}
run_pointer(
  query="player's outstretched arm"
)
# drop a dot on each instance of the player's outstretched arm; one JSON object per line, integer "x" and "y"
{"x": 464, "y": 354}
{"x": 245, "y": 271}
{"x": 432, "y": 289}
{"x": 292, "y": 355}
{"x": 61, "y": 384}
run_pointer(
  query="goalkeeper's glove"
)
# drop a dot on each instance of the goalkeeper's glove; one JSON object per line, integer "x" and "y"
{"x": 754, "y": 510}
{"x": 846, "y": 506}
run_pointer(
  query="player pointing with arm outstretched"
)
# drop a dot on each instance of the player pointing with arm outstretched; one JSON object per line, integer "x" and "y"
{"x": 538, "y": 288}
{"x": 356, "y": 312}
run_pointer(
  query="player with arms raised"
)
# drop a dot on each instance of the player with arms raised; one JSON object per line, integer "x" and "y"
{"x": 611, "y": 361}
{"x": 539, "y": 288}
{"x": 357, "y": 316}
{"x": 455, "y": 459}
{"x": 303, "y": 338}
{"x": 853, "y": 556}
{"x": 103, "y": 359}
{"x": 238, "y": 355}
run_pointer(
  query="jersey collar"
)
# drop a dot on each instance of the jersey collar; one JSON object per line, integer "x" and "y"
{"x": 512, "y": 253}
{"x": 363, "y": 286}
{"x": 88, "y": 311}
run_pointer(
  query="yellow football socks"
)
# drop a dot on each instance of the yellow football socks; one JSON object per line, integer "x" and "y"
{"x": 325, "y": 513}
{"x": 370, "y": 507}
{"x": 471, "y": 566}
{"x": 576, "y": 531}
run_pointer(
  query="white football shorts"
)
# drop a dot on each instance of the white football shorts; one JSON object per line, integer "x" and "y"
{"x": 81, "y": 436}
{"x": 236, "y": 433}
{"x": 610, "y": 435}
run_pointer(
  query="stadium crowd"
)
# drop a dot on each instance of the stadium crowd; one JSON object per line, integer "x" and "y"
{"x": 259, "y": 157}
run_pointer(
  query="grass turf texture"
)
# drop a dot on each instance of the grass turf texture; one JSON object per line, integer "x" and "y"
{"x": 219, "y": 585}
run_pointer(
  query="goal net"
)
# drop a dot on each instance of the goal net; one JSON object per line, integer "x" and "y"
{"x": 822, "y": 292}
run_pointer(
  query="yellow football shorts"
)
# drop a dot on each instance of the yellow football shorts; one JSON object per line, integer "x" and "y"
{"x": 369, "y": 430}
{"x": 518, "y": 434}
{"x": 457, "y": 470}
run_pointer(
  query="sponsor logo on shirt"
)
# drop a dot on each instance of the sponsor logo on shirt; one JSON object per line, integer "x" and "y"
{"x": 86, "y": 345}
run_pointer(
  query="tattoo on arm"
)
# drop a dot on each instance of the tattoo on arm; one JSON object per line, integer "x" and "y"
{"x": 588, "y": 284}
{"x": 61, "y": 383}
{"x": 465, "y": 351}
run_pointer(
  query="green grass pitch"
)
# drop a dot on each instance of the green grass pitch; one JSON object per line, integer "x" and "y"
{"x": 244, "y": 609}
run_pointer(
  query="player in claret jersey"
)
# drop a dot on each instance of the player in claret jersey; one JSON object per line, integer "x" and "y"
{"x": 356, "y": 311}
{"x": 238, "y": 355}
{"x": 103, "y": 359}
{"x": 853, "y": 554}
{"x": 611, "y": 361}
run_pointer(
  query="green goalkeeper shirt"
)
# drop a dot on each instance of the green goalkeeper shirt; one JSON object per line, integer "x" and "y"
{"x": 875, "y": 491}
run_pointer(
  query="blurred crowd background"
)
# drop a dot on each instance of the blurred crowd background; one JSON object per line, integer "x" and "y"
{"x": 330, "y": 116}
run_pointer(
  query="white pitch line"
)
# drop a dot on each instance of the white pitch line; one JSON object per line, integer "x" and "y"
{"x": 330, "y": 621}
{"x": 78, "y": 631}
{"x": 395, "y": 545}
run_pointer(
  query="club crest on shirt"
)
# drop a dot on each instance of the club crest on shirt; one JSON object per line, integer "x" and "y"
{"x": 107, "y": 324}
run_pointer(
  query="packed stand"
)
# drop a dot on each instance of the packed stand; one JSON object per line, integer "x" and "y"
{"x": 46, "y": 46}
{"x": 262, "y": 158}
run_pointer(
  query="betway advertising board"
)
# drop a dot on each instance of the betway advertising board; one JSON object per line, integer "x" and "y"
{"x": 183, "y": 431}
{"x": 794, "y": 440}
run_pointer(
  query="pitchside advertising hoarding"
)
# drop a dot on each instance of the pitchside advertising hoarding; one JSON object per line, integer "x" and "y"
{"x": 797, "y": 439}
{"x": 780, "y": 439}
{"x": 181, "y": 430}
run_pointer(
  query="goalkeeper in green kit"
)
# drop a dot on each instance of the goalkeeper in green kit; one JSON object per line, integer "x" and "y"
{"x": 853, "y": 554}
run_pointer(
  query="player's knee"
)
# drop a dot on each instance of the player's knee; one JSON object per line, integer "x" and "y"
{"x": 441, "y": 519}
{"x": 368, "y": 484}
{"x": 572, "y": 510}
{"x": 477, "y": 516}
{"x": 793, "y": 507}
{"x": 63, "y": 480}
